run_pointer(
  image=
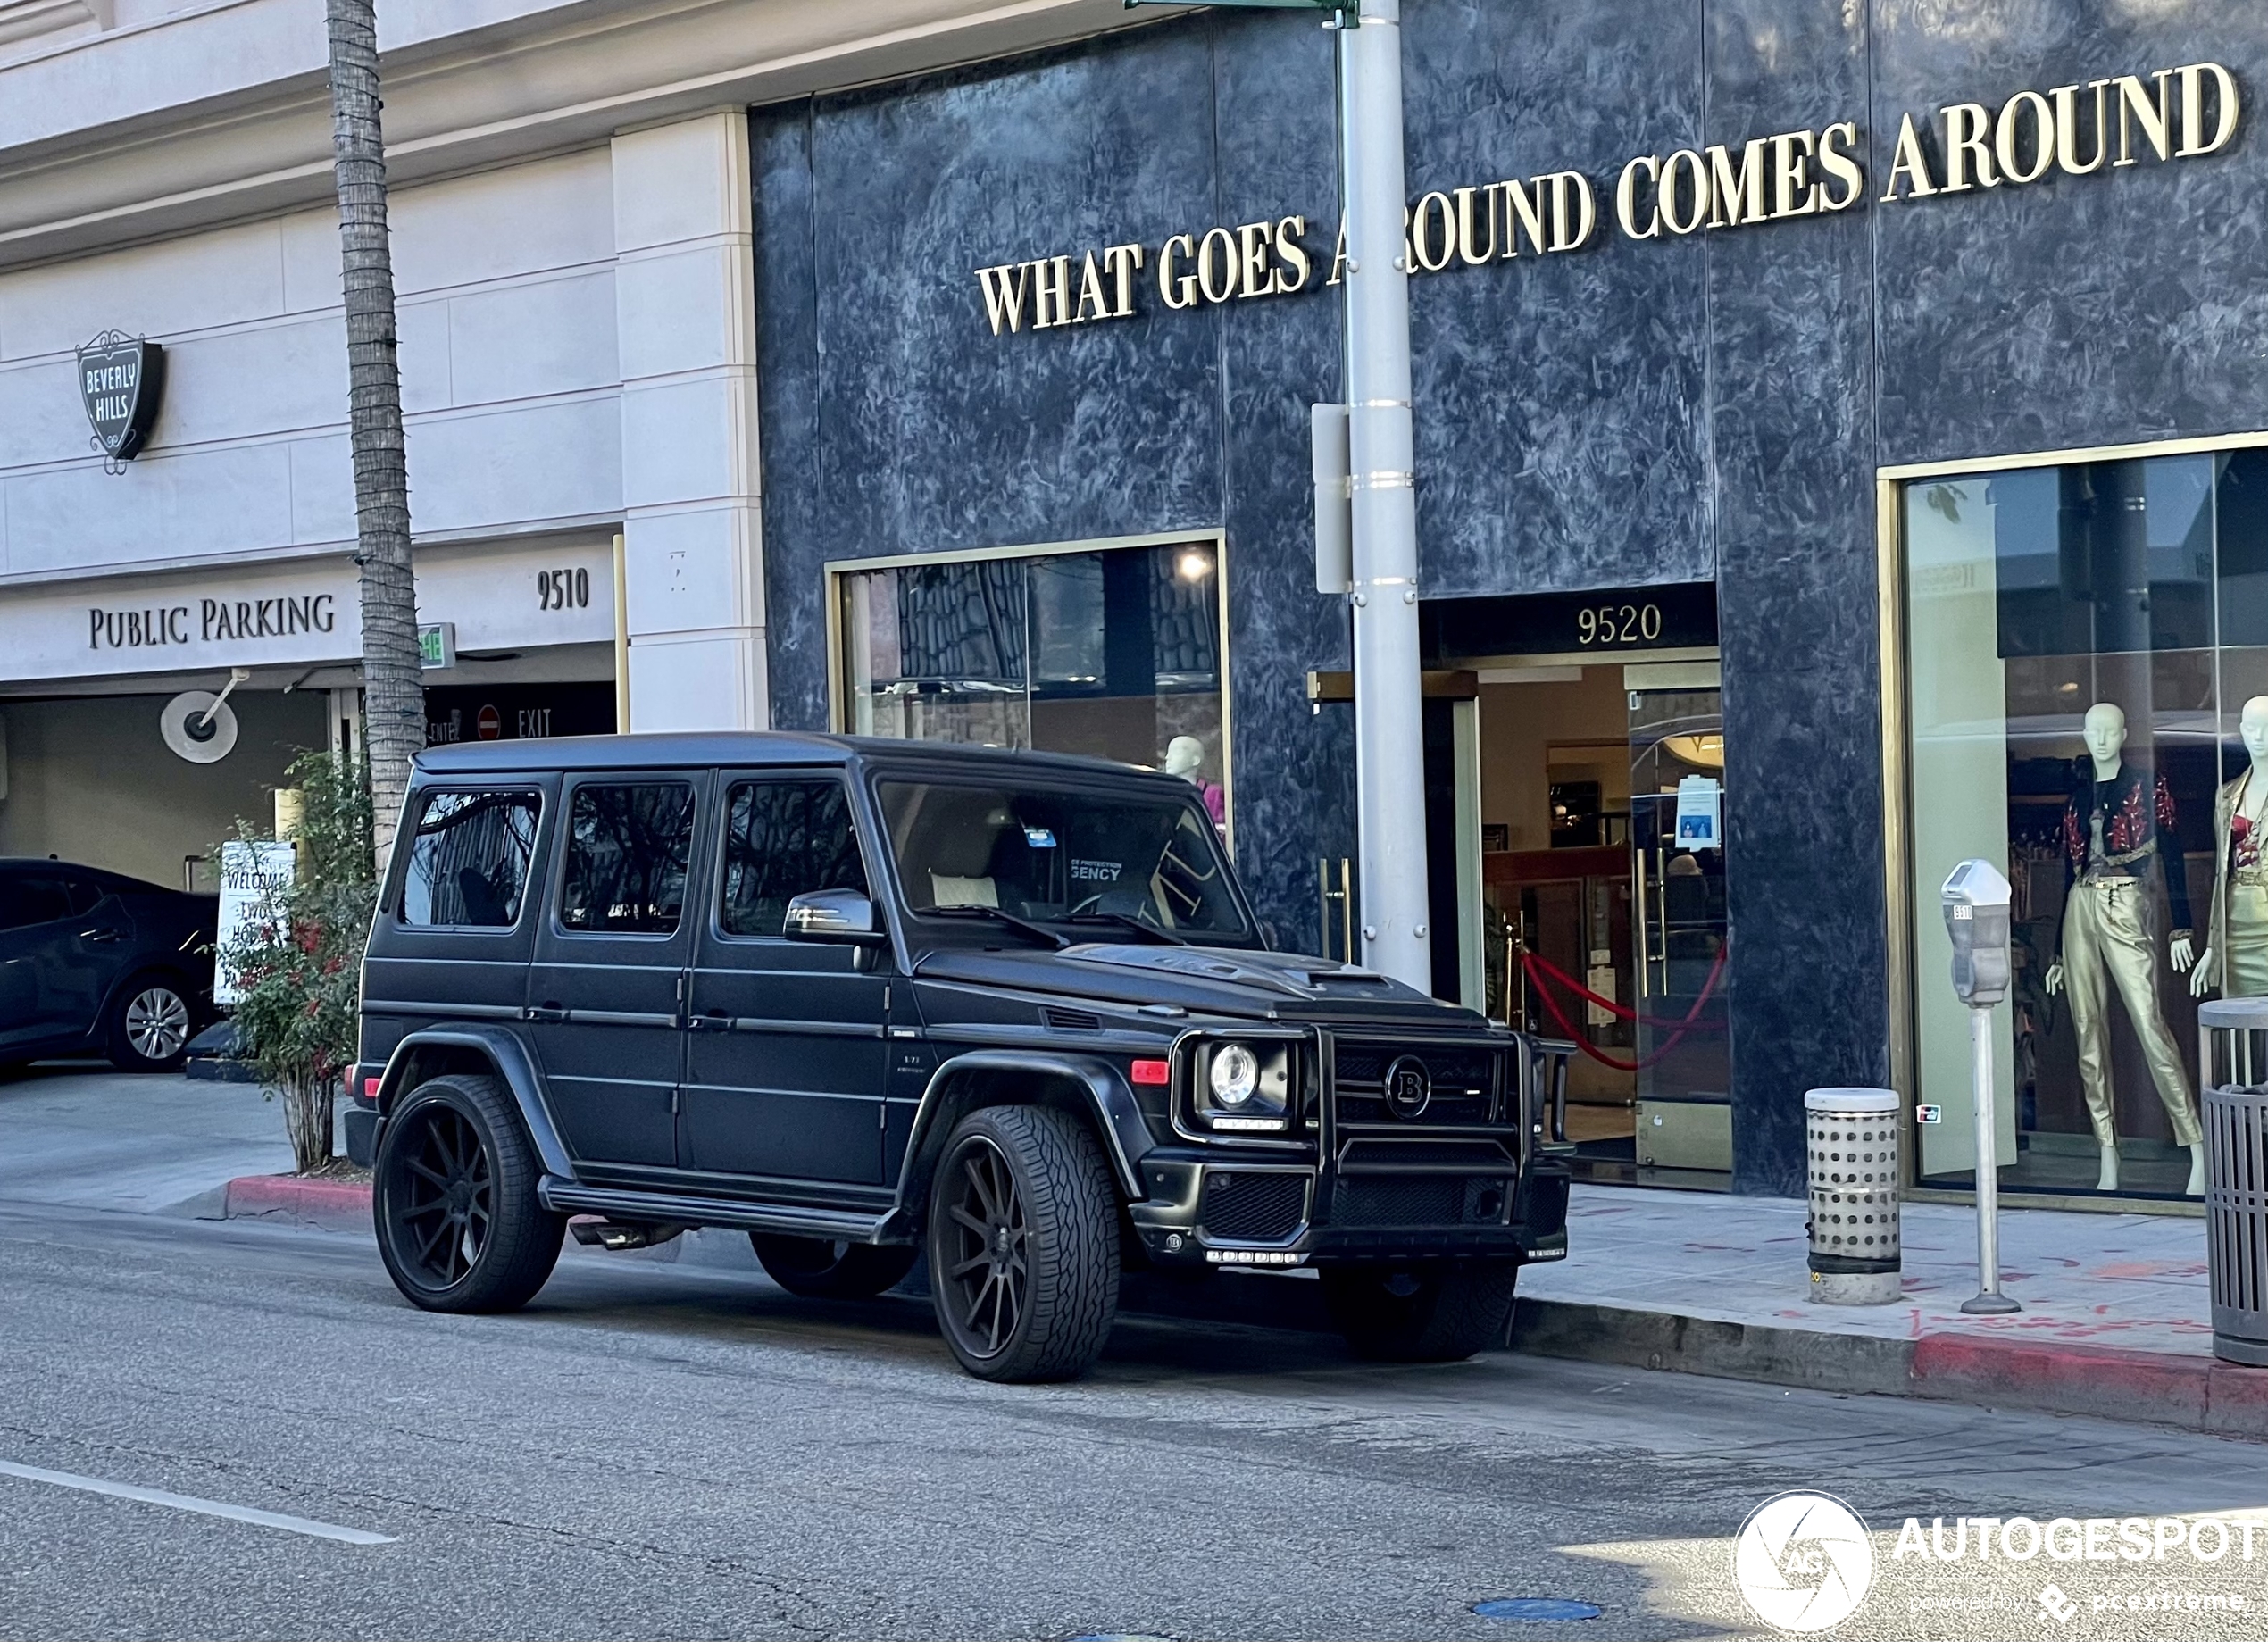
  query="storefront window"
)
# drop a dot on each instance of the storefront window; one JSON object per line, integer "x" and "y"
{"x": 1114, "y": 652}
{"x": 2087, "y": 676}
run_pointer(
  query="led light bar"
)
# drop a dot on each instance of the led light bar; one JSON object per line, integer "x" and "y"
{"x": 1253, "y": 1256}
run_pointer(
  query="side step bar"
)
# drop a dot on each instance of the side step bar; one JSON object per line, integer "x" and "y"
{"x": 567, "y": 1197}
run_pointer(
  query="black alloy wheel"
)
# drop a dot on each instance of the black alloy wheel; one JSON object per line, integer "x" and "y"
{"x": 459, "y": 1224}
{"x": 1023, "y": 1245}
{"x": 823, "y": 1268}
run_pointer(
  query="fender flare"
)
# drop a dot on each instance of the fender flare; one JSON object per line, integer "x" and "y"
{"x": 1110, "y": 1103}
{"x": 513, "y": 1065}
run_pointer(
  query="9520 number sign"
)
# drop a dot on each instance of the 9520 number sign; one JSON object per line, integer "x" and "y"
{"x": 1681, "y": 615}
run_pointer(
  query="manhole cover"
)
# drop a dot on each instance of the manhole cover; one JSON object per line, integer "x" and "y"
{"x": 1532, "y": 1608}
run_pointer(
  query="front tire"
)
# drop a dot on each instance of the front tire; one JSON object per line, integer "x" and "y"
{"x": 149, "y": 1026}
{"x": 454, "y": 1195}
{"x": 1421, "y": 1314}
{"x": 1023, "y": 1245}
{"x": 820, "y": 1269}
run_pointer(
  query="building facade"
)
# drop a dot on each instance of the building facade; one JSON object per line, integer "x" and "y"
{"x": 1830, "y": 417}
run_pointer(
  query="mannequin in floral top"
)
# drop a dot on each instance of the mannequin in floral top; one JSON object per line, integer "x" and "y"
{"x": 2116, "y": 827}
{"x": 2236, "y": 953}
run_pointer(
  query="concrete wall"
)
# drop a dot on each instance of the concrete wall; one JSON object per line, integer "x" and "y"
{"x": 90, "y": 780}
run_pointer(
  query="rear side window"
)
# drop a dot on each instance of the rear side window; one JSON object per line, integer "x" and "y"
{"x": 33, "y": 898}
{"x": 469, "y": 859}
{"x": 783, "y": 840}
{"x": 627, "y": 851}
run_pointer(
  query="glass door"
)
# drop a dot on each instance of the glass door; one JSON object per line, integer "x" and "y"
{"x": 1681, "y": 950}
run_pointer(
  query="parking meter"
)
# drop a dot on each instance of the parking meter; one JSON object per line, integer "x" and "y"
{"x": 1976, "y": 916}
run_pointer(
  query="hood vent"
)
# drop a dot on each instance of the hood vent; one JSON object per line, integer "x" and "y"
{"x": 1070, "y": 1020}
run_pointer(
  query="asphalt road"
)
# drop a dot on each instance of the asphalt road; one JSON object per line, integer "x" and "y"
{"x": 657, "y": 1450}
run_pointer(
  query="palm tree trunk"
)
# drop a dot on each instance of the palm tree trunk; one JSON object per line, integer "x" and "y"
{"x": 393, "y": 688}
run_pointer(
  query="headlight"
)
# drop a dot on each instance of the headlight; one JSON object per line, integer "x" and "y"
{"x": 1234, "y": 1075}
{"x": 1244, "y": 1087}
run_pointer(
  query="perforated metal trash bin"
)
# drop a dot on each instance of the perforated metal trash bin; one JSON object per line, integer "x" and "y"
{"x": 1852, "y": 1140}
{"x": 2233, "y": 1066}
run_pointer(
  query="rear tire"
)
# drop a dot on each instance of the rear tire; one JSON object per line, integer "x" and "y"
{"x": 1421, "y": 1314}
{"x": 819, "y": 1269}
{"x": 454, "y": 1195}
{"x": 149, "y": 1026}
{"x": 1023, "y": 1245}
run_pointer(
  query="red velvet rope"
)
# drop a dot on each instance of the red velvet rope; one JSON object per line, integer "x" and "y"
{"x": 1540, "y": 969}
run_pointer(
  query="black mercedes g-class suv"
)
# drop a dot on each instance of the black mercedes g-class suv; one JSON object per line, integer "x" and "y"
{"x": 861, "y": 998}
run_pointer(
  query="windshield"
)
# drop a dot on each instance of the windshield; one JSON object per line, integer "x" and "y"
{"x": 1087, "y": 858}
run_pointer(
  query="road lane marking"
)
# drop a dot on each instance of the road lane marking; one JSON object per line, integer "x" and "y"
{"x": 201, "y": 1507}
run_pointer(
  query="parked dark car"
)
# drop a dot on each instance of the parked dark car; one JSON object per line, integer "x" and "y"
{"x": 96, "y": 962}
{"x": 863, "y": 998}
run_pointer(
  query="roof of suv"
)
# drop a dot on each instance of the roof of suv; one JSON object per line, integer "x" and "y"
{"x": 672, "y": 751}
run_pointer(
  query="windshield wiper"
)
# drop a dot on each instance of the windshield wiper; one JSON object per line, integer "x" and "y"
{"x": 1022, "y": 926}
{"x": 1126, "y": 921}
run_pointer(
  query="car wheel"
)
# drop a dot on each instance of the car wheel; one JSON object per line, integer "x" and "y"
{"x": 820, "y": 1269}
{"x": 1023, "y": 1245}
{"x": 454, "y": 1195}
{"x": 149, "y": 1026}
{"x": 1435, "y": 1314}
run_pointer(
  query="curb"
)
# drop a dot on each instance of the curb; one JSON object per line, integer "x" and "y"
{"x": 2193, "y": 1394}
{"x": 332, "y": 1205}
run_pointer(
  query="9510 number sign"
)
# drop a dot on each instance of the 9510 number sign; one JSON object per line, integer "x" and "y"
{"x": 568, "y": 587}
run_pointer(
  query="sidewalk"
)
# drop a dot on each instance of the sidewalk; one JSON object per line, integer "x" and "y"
{"x": 2116, "y": 1320}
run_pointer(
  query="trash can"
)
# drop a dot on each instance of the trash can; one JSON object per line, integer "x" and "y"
{"x": 1852, "y": 1138}
{"x": 2232, "y": 1074}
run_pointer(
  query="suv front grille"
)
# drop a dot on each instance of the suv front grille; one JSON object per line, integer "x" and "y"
{"x": 1376, "y": 1201}
{"x": 1464, "y": 1079}
{"x": 1244, "y": 1206}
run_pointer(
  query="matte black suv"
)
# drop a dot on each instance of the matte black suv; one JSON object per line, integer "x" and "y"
{"x": 862, "y": 998}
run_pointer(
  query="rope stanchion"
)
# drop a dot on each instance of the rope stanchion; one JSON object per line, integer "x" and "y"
{"x": 1540, "y": 970}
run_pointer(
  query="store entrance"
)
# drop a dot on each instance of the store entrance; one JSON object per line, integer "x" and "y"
{"x": 1602, "y": 804}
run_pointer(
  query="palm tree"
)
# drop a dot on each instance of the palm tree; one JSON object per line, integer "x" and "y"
{"x": 393, "y": 687}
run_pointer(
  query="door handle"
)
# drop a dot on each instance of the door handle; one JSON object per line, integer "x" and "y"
{"x": 545, "y": 1012}
{"x": 711, "y": 1020}
{"x": 98, "y": 934}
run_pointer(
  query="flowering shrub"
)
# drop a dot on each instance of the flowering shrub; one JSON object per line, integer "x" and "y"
{"x": 298, "y": 960}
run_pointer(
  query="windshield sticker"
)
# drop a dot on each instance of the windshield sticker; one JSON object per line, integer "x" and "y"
{"x": 1096, "y": 871}
{"x": 1039, "y": 838}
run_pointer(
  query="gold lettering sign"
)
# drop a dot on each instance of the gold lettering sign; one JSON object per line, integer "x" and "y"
{"x": 2180, "y": 113}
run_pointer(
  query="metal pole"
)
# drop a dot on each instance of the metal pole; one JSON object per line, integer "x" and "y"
{"x": 1990, "y": 1301}
{"x": 1389, "y": 741}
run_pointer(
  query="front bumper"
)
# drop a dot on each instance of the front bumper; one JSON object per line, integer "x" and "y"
{"x": 1293, "y": 1213}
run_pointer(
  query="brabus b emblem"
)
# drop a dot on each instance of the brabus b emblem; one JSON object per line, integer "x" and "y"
{"x": 120, "y": 381}
{"x": 1409, "y": 1086}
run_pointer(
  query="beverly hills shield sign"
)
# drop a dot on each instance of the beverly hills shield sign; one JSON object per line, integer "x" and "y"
{"x": 120, "y": 381}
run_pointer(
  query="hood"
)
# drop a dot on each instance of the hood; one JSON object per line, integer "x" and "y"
{"x": 1202, "y": 979}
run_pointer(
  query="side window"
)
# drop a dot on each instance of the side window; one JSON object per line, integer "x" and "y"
{"x": 469, "y": 859}
{"x": 627, "y": 851}
{"x": 783, "y": 840}
{"x": 85, "y": 894}
{"x": 34, "y": 898}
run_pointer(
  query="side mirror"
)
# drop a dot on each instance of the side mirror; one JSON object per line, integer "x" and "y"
{"x": 834, "y": 918}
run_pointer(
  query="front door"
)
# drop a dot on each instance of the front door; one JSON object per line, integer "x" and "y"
{"x": 607, "y": 991}
{"x": 788, "y": 1057}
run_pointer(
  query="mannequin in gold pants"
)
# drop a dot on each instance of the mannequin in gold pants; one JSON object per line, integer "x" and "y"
{"x": 2118, "y": 838}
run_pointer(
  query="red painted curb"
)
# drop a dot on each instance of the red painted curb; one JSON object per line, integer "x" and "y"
{"x": 335, "y": 1206}
{"x": 2198, "y": 1393}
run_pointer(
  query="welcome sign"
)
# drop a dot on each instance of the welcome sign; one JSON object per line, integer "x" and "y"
{"x": 2075, "y": 131}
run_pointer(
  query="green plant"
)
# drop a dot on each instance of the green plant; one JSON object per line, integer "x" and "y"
{"x": 297, "y": 960}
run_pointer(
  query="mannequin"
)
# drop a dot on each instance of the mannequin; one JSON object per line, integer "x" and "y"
{"x": 2236, "y": 934}
{"x": 1183, "y": 756}
{"x": 2112, "y": 828}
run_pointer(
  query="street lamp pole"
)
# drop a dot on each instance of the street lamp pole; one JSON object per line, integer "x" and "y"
{"x": 1389, "y": 741}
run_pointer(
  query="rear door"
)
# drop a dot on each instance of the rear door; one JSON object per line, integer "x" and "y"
{"x": 607, "y": 994}
{"x": 788, "y": 1056}
{"x": 57, "y": 951}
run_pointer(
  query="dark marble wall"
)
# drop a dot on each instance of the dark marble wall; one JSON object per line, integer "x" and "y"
{"x": 1669, "y": 410}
